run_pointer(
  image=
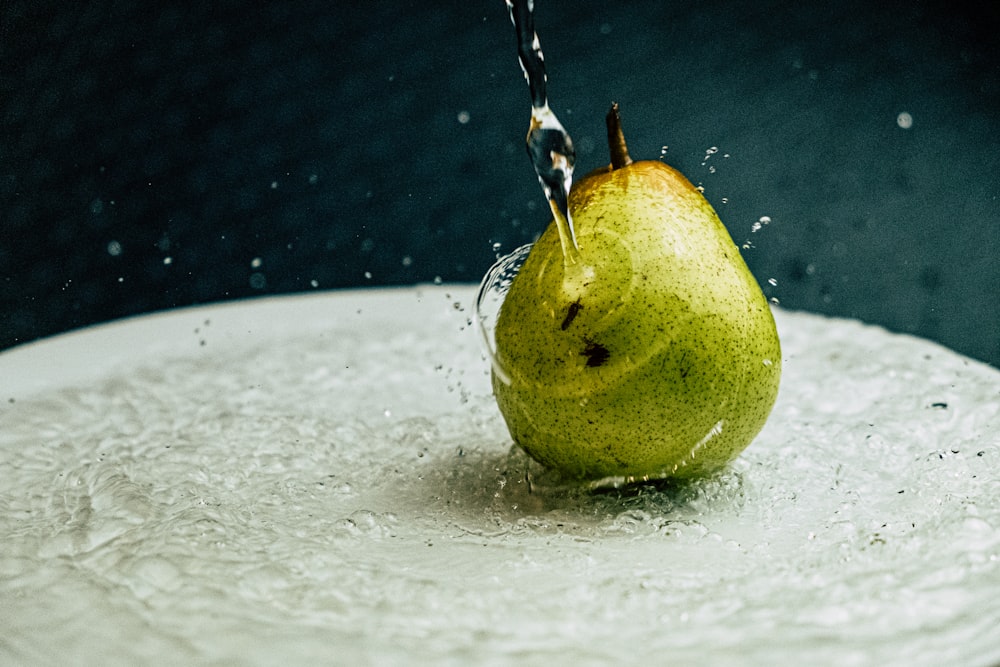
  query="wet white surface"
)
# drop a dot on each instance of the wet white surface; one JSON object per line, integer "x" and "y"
{"x": 327, "y": 478}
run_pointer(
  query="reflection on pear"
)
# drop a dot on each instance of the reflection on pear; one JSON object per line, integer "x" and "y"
{"x": 654, "y": 353}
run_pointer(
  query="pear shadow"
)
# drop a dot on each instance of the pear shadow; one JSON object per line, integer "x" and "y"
{"x": 494, "y": 488}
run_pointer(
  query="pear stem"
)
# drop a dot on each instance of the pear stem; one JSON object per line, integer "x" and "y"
{"x": 616, "y": 139}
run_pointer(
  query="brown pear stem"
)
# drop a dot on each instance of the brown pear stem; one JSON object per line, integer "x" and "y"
{"x": 616, "y": 140}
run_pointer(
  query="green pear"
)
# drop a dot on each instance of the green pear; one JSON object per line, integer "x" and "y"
{"x": 652, "y": 352}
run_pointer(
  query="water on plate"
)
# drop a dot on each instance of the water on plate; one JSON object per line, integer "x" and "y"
{"x": 339, "y": 486}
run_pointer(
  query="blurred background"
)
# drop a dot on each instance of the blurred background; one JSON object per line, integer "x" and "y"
{"x": 156, "y": 156}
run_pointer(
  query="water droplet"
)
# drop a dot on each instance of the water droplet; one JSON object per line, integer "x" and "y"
{"x": 314, "y": 283}
{"x": 114, "y": 248}
{"x": 256, "y": 263}
{"x": 407, "y": 261}
{"x": 313, "y": 179}
{"x": 768, "y": 362}
{"x": 773, "y": 282}
{"x": 168, "y": 260}
{"x": 763, "y": 220}
{"x": 463, "y": 117}
{"x": 904, "y": 120}
{"x": 437, "y": 280}
{"x": 774, "y": 301}
{"x": 368, "y": 275}
{"x": 274, "y": 185}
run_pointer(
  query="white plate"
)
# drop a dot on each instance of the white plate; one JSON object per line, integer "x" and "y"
{"x": 326, "y": 478}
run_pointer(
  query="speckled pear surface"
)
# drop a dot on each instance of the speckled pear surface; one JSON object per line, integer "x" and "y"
{"x": 655, "y": 354}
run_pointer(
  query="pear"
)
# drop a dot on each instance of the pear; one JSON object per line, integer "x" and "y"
{"x": 651, "y": 352}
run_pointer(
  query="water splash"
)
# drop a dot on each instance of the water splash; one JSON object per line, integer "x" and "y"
{"x": 492, "y": 291}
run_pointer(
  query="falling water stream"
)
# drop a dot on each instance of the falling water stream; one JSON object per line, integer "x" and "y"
{"x": 327, "y": 479}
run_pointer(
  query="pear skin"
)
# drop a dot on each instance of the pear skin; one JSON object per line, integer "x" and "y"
{"x": 655, "y": 354}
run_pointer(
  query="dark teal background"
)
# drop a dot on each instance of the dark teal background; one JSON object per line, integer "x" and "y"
{"x": 161, "y": 155}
